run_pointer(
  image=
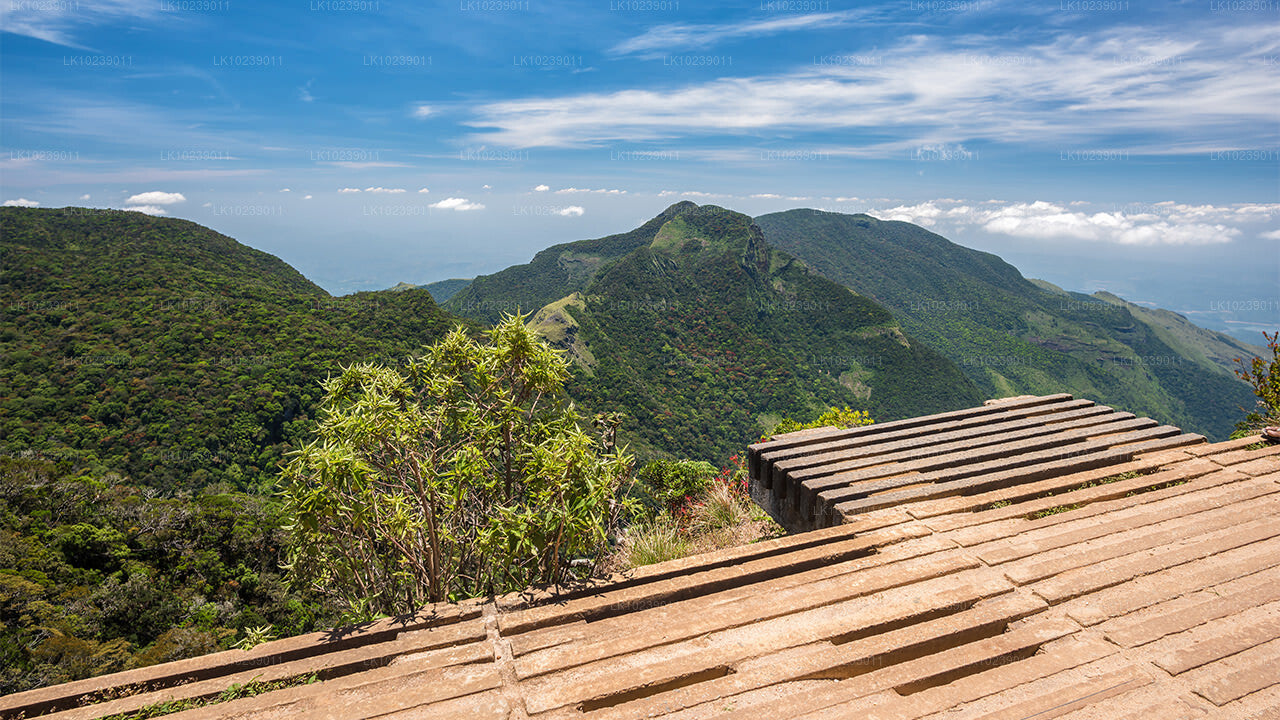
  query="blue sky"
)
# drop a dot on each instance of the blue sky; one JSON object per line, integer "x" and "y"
{"x": 1101, "y": 144}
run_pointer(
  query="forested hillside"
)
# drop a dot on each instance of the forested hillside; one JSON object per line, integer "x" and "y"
{"x": 1011, "y": 336}
{"x": 705, "y": 337}
{"x": 160, "y": 350}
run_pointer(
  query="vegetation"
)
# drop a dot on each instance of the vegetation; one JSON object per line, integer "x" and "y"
{"x": 462, "y": 476}
{"x": 703, "y": 336}
{"x": 1264, "y": 377}
{"x": 714, "y": 512}
{"x": 1009, "y": 335}
{"x": 234, "y": 692}
{"x": 169, "y": 354}
{"x": 845, "y": 417}
{"x": 98, "y": 576}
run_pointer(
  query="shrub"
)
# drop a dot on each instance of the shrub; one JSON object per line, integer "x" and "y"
{"x": 1264, "y": 377}
{"x": 462, "y": 476}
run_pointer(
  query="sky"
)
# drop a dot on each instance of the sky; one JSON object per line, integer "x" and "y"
{"x": 1110, "y": 145}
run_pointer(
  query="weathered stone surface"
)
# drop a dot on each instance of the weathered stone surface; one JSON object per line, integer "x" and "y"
{"x": 1140, "y": 598}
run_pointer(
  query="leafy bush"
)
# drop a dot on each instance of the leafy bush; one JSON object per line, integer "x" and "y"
{"x": 665, "y": 484}
{"x": 462, "y": 476}
{"x": 1264, "y": 378}
{"x": 834, "y": 417}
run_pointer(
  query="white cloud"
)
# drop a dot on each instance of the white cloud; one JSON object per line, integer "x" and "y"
{"x": 676, "y": 36}
{"x": 571, "y": 211}
{"x": 423, "y": 191}
{"x": 384, "y": 191}
{"x": 1069, "y": 93}
{"x": 304, "y": 93}
{"x": 306, "y": 197}
{"x": 155, "y": 197}
{"x": 459, "y": 204}
{"x": 285, "y": 190}
{"x": 541, "y": 188}
{"x": 487, "y": 187}
{"x": 85, "y": 196}
{"x": 22, "y": 202}
{"x": 148, "y": 209}
{"x": 601, "y": 191}
{"x": 348, "y": 190}
{"x": 1163, "y": 223}
{"x": 1272, "y": 235}
{"x": 54, "y": 21}
{"x": 423, "y": 111}
{"x": 767, "y": 196}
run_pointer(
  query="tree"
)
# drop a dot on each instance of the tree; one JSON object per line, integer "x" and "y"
{"x": 845, "y": 417}
{"x": 1264, "y": 377}
{"x": 461, "y": 475}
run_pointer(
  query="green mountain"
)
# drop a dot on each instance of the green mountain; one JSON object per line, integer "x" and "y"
{"x": 551, "y": 274}
{"x": 705, "y": 336}
{"x": 1014, "y": 336}
{"x": 442, "y": 290}
{"x": 171, "y": 354}
{"x": 1212, "y": 350}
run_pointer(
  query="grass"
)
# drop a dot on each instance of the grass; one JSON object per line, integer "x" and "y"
{"x": 721, "y": 516}
{"x": 655, "y": 542}
{"x": 234, "y": 692}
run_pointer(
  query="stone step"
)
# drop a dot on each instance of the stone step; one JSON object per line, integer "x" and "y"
{"x": 1218, "y": 639}
{"x": 230, "y": 662}
{"x": 1054, "y": 657}
{"x": 975, "y": 528}
{"x": 372, "y": 693}
{"x": 1073, "y": 531}
{"x": 554, "y": 635}
{"x": 609, "y": 602}
{"x": 939, "y": 442}
{"x": 1056, "y": 696}
{"x": 681, "y": 621}
{"x": 490, "y": 705}
{"x": 961, "y": 459}
{"x": 1142, "y": 610}
{"x": 1239, "y": 675}
{"x": 654, "y": 670}
{"x": 1128, "y": 538}
{"x": 1038, "y": 466}
{"x": 1071, "y": 583}
{"x": 967, "y": 642}
{"x": 796, "y": 441}
{"x": 428, "y": 649}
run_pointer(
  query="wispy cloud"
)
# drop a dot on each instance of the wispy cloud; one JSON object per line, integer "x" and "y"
{"x": 56, "y": 22}
{"x": 1164, "y": 93}
{"x": 682, "y": 36}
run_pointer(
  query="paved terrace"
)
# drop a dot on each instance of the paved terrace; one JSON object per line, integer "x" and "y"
{"x": 1149, "y": 587}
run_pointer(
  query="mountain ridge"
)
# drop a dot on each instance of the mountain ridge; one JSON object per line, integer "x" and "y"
{"x": 1012, "y": 335}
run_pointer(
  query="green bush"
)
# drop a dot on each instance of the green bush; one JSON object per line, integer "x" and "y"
{"x": 665, "y": 484}
{"x": 462, "y": 475}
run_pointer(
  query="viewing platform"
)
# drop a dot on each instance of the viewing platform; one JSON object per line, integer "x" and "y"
{"x": 1033, "y": 558}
